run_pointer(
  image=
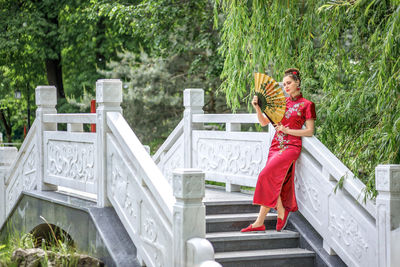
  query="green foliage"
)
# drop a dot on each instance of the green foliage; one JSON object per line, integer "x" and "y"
{"x": 13, "y": 114}
{"x": 178, "y": 50}
{"x": 349, "y": 56}
{"x": 152, "y": 95}
{"x": 181, "y": 31}
{"x": 83, "y": 35}
{"x": 45, "y": 40}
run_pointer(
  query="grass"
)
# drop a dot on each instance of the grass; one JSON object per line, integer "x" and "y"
{"x": 60, "y": 247}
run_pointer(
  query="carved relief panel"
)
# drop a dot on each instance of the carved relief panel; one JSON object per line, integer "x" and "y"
{"x": 24, "y": 178}
{"x": 135, "y": 208}
{"x": 121, "y": 191}
{"x": 172, "y": 160}
{"x": 311, "y": 192}
{"x": 69, "y": 160}
{"x": 351, "y": 231}
{"x": 238, "y": 154}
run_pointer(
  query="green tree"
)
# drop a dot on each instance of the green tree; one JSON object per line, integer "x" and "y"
{"x": 53, "y": 42}
{"x": 181, "y": 31}
{"x": 152, "y": 97}
{"x": 349, "y": 56}
{"x": 178, "y": 50}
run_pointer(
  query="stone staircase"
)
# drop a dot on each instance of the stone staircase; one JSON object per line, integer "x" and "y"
{"x": 227, "y": 213}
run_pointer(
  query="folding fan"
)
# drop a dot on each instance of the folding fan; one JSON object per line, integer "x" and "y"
{"x": 271, "y": 99}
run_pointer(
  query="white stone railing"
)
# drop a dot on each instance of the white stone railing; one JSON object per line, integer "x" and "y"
{"x": 231, "y": 156}
{"x": 346, "y": 224}
{"x": 165, "y": 221}
{"x": 170, "y": 155}
{"x": 139, "y": 193}
{"x": 361, "y": 233}
{"x": 49, "y": 158}
{"x": 70, "y": 156}
{"x": 18, "y": 170}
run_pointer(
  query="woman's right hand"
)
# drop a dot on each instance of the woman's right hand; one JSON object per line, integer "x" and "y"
{"x": 254, "y": 102}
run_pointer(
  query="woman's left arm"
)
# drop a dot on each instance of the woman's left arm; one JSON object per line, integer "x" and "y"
{"x": 308, "y": 131}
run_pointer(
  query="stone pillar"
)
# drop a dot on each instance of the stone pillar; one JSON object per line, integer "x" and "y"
{"x": 46, "y": 101}
{"x": 188, "y": 212}
{"x": 108, "y": 99}
{"x": 7, "y": 157}
{"x": 193, "y": 100}
{"x": 388, "y": 214}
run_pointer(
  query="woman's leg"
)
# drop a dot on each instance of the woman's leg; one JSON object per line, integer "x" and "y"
{"x": 280, "y": 208}
{"x": 261, "y": 216}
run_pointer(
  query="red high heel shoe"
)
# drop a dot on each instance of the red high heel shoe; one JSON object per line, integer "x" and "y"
{"x": 281, "y": 224}
{"x": 250, "y": 228}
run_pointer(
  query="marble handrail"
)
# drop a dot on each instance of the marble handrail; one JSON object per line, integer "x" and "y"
{"x": 152, "y": 176}
{"x": 83, "y": 118}
{"x": 327, "y": 160}
{"x": 235, "y": 157}
{"x": 336, "y": 169}
{"x": 169, "y": 142}
{"x": 225, "y": 118}
{"x": 21, "y": 176}
{"x": 30, "y": 137}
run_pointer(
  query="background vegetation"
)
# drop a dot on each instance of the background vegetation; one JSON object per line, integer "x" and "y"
{"x": 348, "y": 52}
{"x": 349, "y": 56}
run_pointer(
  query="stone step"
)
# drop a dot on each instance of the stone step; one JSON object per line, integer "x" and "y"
{"x": 236, "y": 241}
{"x": 235, "y": 222}
{"x": 230, "y": 207}
{"x": 294, "y": 257}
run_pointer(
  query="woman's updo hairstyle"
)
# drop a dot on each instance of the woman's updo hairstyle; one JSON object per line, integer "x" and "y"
{"x": 294, "y": 74}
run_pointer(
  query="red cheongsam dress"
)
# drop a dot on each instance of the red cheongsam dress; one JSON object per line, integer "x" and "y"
{"x": 277, "y": 177}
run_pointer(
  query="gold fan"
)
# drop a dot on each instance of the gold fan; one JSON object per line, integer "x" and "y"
{"x": 271, "y": 99}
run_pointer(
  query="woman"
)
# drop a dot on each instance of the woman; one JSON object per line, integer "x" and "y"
{"x": 275, "y": 184}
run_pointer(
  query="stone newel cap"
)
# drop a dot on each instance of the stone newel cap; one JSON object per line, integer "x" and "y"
{"x": 387, "y": 178}
{"x": 46, "y": 96}
{"x": 188, "y": 183}
{"x": 109, "y": 91}
{"x": 193, "y": 97}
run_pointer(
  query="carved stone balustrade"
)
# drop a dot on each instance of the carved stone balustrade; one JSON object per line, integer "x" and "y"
{"x": 350, "y": 227}
{"x": 163, "y": 211}
{"x": 113, "y": 164}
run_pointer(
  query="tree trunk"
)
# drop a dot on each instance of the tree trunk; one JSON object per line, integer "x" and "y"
{"x": 53, "y": 65}
{"x": 54, "y": 75}
{"x": 7, "y": 125}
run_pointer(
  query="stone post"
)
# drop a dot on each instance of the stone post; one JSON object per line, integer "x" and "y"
{"x": 188, "y": 212}
{"x": 388, "y": 215}
{"x": 7, "y": 157}
{"x": 193, "y": 100}
{"x": 108, "y": 99}
{"x": 46, "y": 101}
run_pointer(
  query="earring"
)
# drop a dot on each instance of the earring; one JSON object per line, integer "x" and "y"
{"x": 298, "y": 88}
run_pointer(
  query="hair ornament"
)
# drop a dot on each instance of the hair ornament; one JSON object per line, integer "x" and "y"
{"x": 294, "y": 72}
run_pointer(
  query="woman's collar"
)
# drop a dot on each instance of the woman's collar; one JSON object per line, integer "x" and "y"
{"x": 296, "y": 97}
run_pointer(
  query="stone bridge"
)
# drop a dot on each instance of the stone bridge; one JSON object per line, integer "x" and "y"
{"x": 118, "y": 203}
